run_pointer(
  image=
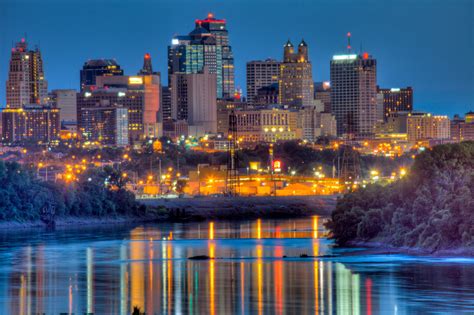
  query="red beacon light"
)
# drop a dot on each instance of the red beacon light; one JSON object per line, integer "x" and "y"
{"x": 365, "y": 55}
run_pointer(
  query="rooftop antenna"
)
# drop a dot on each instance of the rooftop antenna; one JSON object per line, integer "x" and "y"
{"x": 349, "y": 42}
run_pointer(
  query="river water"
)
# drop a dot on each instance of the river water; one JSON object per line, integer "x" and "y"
{"x": 110, "y": 270}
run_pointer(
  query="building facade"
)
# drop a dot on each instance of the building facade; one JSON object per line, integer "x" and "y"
{"x": 261, "y": 74}
{"x": 322, "y": 92}
{"x": 424, "y": 126}
{"x": 193, "y": 99}
{"x": 397, "y": 100}
{"x": 296, "y": 86}
{"x": 106, "y": 125}
{"x": 66, "y": 102}
{"x": 38, "y": 124}
{"x": 97, "y": 68}
{"x": 463, "y": 129}
{"x": 26, "y": 83}
{"x": 276, "y": 123}
{"x": 139, "y": 94}
{"x": 354, "y": 94}
{"x": 207, "y": 45}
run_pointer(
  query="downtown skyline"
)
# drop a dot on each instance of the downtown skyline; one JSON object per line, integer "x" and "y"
{"x": 449, "y": 90}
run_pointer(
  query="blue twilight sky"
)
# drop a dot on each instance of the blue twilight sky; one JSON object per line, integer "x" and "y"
{"x": 426, "y": 44}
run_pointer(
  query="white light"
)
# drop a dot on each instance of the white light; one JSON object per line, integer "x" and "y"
{"x": 87, "y": 94}
{"x": 120, "y": 94}
{"x": 175, "y": 41}
{"x": 344, "y": 57}
{"x": 395, "y": 90}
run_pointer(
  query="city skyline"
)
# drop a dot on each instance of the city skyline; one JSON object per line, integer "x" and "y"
{"x": 448, "y": 91}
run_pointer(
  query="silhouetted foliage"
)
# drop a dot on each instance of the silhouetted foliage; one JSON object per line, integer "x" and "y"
{"x": 99, "y": 192}
{"x": 432, "y": 208}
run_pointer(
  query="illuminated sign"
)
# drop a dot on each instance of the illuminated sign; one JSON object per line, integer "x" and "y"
{"x": 277, "y": 166}
{"x": 121, "y": 94}
{"x": 135, "y": 80}
{"x": 344, "y": 57}
{"x": 175, "y": 41}
{"x": 395, "y": 90}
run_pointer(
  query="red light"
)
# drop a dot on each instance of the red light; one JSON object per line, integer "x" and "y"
{"x": 365, "y": 55}
{"x": 349, "y": 47}
{"x": 22, "y": 40}
{"x": 349, "y": 34}
{"x": 210, "y": 15}
{"x": 147, "y": 56}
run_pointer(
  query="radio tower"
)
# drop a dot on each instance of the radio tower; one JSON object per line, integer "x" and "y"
{"x": 232, "y": 180}
{"x": 348, "y": 160}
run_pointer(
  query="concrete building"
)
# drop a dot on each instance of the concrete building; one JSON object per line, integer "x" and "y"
{"x": 463, "y": 129}
{"x": 322, "y": 92}
{"x": 395, "y": 123}
{"x": 38, "y": 124}
{"x": 354, "y": 94}
{"x": 424, "y": 126}
{"x": 165, "y": 108}
{"x": 96, "y": 68}
{"x": 26, "y": 83}
{"x": 397, "y": 100}
{"x": 139, "y": 94}
{"x": 106, "y": 125}
{"x": 314, "y": 123}
{"x": 224, "y": 108}
{"x": 66, "y": 101}
{"x": 207, "y": 45}
{"x": 296, "y": 86}
{"x": 267, "y": 95}
{"x": 193, "y": 99}
{"x": 267, "y": 125}
{"x": 261, "y": 74}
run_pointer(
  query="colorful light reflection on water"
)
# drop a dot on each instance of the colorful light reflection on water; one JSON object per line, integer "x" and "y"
{"x": 109, "y": 271}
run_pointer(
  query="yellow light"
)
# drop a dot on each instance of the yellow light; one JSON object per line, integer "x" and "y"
{"x": 403, "y": 172}
{"x": 135, "y": 80}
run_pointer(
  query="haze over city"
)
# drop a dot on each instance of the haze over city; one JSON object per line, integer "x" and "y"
{"x": 427, "y": 45}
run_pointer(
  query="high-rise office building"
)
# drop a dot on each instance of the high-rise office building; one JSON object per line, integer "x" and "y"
{"x": 96, "y": 68}
{"x": 193, "y": 99}
{"x": 261, "y": 74}
{"x": 296, "y": 79}
{"x": 139, "y": 94}
{"x": 207, "y": 45}
{"x": 26, "y": 83}
{"x": 66, "y": 101}
{"x": 37, "y": 124}
{"x": 147, "y": 68}
{"x": 354, "y": 94}
{"x": 267, "y": 95}
{"x": 106, "y": 125}
{"x": 463, "y": 129}
{"x": 397, "y": 100}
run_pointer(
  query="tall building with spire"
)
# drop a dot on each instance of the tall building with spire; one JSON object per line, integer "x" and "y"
{"x": 296, "y": 77}
{"x": 26, "y": 83}
{"x": 207, "y": 45}
{"x": 147, "y": 66}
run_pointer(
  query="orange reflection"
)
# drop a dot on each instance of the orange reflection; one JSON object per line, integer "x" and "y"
{"x": 278, "y": 281}
{"x": 316, "y": 287}
{"x": 211, "y": 230}
{"x": 260, "y": 278}
{"x": 259, "y": 229}
{"x": 315, "y": 226}
{"x": 137, "y": 250}
{"x": 212, "y": 301}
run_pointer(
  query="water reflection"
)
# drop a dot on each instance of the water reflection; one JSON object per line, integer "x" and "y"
{"x": 110, "y": 272}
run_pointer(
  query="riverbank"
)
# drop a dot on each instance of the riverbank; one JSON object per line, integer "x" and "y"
{"x": 377, "y": 247}
{"x": 199, "y": 209}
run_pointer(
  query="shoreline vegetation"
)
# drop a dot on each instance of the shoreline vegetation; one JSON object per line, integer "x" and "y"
{"x": 99, "y": 198}
{"x": 430, "y": 211}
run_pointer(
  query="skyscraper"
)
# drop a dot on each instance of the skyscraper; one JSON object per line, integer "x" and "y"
{"x": 66, "y": 101}
{"x": 97, "y": 67}
{"x": 26, "y": 83}
{"x": 397, "y": 100}
{"x": 193, "y": 99}
{"x": 261, "y": 74}
{"x": 296, "y": 78}
{"x": 207, "y": 45}
{"x": 354, "y": 94}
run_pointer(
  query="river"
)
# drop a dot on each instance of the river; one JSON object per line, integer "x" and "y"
{"x": 108, "y": 270}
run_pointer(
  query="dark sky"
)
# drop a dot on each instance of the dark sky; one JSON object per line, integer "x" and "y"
{"x": 426, "y": 44}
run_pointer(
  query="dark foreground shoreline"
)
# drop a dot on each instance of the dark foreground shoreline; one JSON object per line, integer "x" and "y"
{"x": 200, "y": 209}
